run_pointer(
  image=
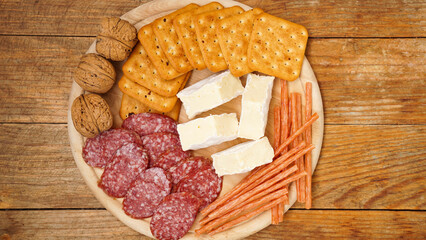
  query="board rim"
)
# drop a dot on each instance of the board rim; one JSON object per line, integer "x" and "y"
{"x": 89, "y": 175}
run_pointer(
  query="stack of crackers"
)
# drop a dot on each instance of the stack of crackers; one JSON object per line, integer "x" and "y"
{"x": 212, "y": 37}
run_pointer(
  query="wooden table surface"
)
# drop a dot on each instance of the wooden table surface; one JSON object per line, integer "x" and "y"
{"x": 369, "y": 59}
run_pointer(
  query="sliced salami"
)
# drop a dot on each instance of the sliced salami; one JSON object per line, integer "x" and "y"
{"x": 146, "y": 193}
{"x": 205, "y": 184}
{"x": 158, "y": 143}
{"x": 98, "y": 151}
{"x": 175, "y": 216}
{"x": 189, "y": 167}
{"x": 126, "y": 164}
{"x": 149, "y": 123}
{"x": 171, "y": 157}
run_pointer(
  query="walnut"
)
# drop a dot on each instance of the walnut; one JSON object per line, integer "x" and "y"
{"x": 117, "y": 39}
{"x": 91, "y": 115}
{"x": 95, "y": 74}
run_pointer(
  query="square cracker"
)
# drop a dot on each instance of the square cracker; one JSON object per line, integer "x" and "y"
{"x": 152, "y": 47}
{"x": 185, "y": 30}
{"x": 169, "y": 41}
{"x": 140, "y": 69}
{"x": 146, "y": 96}
{"x": 277, "y": 47}
{"x": 233, "y": 34}
{"x": 205, "y": 28}
{"x": 130, "y": 106}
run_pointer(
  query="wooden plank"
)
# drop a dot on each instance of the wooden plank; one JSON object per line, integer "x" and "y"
{"x": 37, "y": 169}
{"x": 36, "y": 77}
{"x": 371, "y": 81}
{"x": 322, "y": 19}
{"x": 298, "y": 224}
{"x": 361, "y": 167}
{"x": 363, "y": 81}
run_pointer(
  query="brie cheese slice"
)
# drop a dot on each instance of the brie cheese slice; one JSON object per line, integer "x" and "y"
{"x": 255, "y": 106}
{"x": 243, "y": 157}
{"x": 208, "y": 131}
{"x": 210, "y": 93}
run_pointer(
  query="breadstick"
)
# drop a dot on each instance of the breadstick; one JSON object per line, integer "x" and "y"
{"x": 294, "y": 135}
{"x": 277, "y": 126}
{"x": 251, "y": 203}
{"x": 300, "y": 161}
{"x": 258, "y": 210}
{"x": 308, "y": 139}
{"x": 245, "y": 182}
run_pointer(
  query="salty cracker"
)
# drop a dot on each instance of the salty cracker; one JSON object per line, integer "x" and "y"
{"x": 185, "y": 30}
{"x": 146, "y": 96}
{"x": 140, "y": 69}
{"x": 205, "y": 28}
{"x": 130, "y": 106}
{"x": 277, "y": 47}
{"x": 152, "y": 47}
{"x": 169, "y": 41}
{"x": 233, "y": 34}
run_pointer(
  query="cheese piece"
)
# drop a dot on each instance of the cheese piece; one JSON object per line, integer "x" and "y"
{"x": 208, "y": 131}
{"x": 210, "y": 93}
{"x": 255, "y": 106}
{"x": 243, "y": 157}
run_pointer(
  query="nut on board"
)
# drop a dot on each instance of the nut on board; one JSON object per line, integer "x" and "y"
{"x": 91, "y": 115}
{"x": 95, "y": 74}
{"x": 117, "y": 39}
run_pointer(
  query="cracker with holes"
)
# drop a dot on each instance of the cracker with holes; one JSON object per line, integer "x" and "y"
{"x": 146, "y": 96}
{"x": 185, "y": 30}
{"x": 205, "y": 28}
{"x": 169, "y": 41}
{"x": 277, "y": 47}
{"x": 233, "y": 34}
{"x": 130, "y": 106}
{"x": 152, "y": 47}
{"x": 140, "y": 69}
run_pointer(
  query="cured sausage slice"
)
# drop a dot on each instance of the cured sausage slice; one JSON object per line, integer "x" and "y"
{"x": 174, "y": 216}
{"x": 98, "y": 151}
{"x": 171, "y": 157}
{"x": 148, "y": 123}
{"x": 158, "y": 143}
{"x": 205, "y": 184}
{"x": 146, "y": 193}
{"x": 126, "y": 164}
{"x": 189, "y": 167}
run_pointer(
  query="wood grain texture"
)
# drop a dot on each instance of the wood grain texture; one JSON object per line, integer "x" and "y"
{"x": 298, "y": 224}
{"x": 36, "y": 75}
{"x": 362, "y": 81}
{"x": 329, "y": 18}
{"x": 361, "y": 167}
{"x": 37, "y": 169}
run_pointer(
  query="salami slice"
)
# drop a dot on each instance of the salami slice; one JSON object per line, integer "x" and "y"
{"x": 149, "y": 123}
{"x": 157, "y": 143}
{"x": 171, "y": 157}
{"x": 126, "y": 164}
{"x": 146, "y": 193}
{"x": 175, "y": 216}
{"x": 98, "y": 151}
{"x": 189, "y": 167}
{"x": 205, "y": 184}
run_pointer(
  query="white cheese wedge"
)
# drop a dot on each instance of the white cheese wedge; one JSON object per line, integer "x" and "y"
{"x": 243, "y": 157}
{"x": 208, "y": 131}
{"x": 255, "y": 106}
{"x": 210, "y": 93}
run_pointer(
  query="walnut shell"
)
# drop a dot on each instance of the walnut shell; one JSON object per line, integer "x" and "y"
{"x": 95, "y": 74}
{"x": 117, "y": 39}
{"x": 91, "y": 115}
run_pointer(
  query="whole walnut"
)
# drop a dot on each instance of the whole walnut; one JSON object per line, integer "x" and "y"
{"x": 95, "y": 74}
{"x": 117, "y": 39}
{"x": 91, "y": 115}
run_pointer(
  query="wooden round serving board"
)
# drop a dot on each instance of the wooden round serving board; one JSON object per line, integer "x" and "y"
{"x": 141, "y": 16}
